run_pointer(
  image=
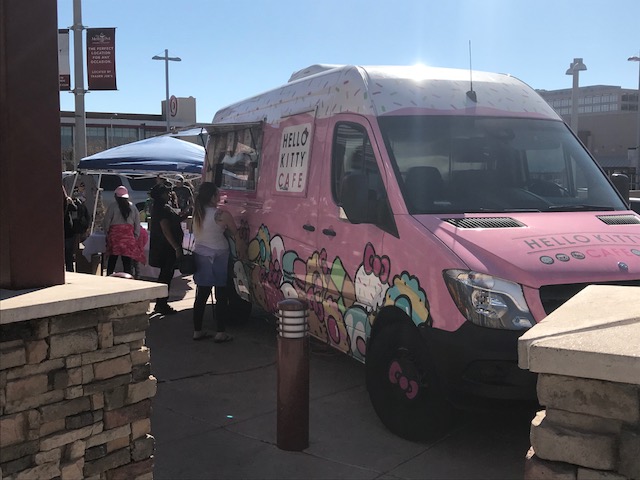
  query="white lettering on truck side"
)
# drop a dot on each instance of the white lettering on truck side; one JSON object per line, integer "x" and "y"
{"x": 294, "y": 159}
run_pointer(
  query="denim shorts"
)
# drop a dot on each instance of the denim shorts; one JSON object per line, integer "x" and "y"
{"x": 211, "y": 269}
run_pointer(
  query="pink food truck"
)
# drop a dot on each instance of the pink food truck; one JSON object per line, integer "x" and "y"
{"x": 429, "y": 216}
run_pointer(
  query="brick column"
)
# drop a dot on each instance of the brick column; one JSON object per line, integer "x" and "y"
{"x": 31, "y": 208}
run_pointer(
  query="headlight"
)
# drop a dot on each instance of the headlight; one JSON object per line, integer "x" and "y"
{"x": 488, "y": 301}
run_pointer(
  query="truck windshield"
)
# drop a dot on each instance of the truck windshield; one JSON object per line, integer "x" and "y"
{"x": 457, "y": 164}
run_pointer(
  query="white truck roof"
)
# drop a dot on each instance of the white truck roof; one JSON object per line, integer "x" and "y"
{"x": 390, "y": 90}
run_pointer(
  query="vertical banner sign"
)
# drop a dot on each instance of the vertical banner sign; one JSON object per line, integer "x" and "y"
{"x": 101, "y": 58}
{"x": 64, "y": 68}
{"x": 293, "y": 162}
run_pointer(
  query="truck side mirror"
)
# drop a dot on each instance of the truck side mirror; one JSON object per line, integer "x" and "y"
{"x": 621, "y": 182}
{"x": 354, "y": 194}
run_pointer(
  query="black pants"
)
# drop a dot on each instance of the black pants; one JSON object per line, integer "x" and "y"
{"x": 221, "y": 307}
{"x": 167, "y": 269}
{"x": 69, "y": 247}
{"x": 126, "y": 264}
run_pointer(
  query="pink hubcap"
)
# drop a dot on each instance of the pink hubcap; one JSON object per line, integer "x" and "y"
{"x": 396, "y": 377}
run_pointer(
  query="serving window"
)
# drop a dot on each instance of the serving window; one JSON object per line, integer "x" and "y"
{"x": 233, "y": 156}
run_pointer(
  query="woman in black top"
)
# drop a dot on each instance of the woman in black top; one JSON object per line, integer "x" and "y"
{"x": 165, "y": 241}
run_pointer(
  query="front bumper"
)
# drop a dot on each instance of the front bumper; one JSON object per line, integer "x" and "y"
{"x": 481, "y": 362}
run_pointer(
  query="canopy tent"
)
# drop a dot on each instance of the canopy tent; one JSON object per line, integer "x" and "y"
{"x": 163, "y": 154}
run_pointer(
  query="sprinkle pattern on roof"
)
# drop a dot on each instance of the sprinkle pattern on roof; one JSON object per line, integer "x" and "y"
{"x": 396, "y": 90}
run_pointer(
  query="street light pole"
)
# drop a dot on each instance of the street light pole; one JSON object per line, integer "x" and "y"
{"x": 80, "y": 125}
{"x": 574, "y": 69}
{"x": 167, "y": 59}
{"x": 637, "y": 59}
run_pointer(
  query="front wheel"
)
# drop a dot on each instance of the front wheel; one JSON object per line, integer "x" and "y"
{"x": 402, "y": 385}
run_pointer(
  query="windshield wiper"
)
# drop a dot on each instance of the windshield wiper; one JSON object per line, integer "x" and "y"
{"x": 581, "y": 207}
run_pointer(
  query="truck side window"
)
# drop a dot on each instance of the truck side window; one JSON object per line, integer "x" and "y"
{"x": 353, "y": 156}
{"x": 235, "y": 152}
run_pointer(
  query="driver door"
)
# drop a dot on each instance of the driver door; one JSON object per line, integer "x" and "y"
{"x": 350, "y": 250}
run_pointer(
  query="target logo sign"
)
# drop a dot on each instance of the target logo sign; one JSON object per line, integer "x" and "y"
{"x": 173, "y": 106}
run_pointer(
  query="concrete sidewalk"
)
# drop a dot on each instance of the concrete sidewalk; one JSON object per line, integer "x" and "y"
{"x": 214, "y": 415}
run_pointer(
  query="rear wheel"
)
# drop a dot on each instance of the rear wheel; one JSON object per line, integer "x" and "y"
{"x": 402, "y": 386}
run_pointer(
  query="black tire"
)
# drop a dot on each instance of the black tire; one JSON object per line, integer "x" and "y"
{"x": 402, "y": 386}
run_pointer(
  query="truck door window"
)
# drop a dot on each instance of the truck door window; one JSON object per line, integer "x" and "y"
{"x": 353, "y": 156}
{"x": 234, "y": 153}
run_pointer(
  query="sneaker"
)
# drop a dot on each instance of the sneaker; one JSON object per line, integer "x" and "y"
{"x": 165, "y": 310}
{"x": 222, "y": 337}
{"x": 197, "y": 336}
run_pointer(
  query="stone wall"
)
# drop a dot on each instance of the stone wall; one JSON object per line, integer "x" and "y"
{"x": 587, "y": 356}
{"x": 589, "y": 430}
{"x": 75, "y": 396}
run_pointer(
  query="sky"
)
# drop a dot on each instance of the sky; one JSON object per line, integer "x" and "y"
{"x": 235, "y": 49}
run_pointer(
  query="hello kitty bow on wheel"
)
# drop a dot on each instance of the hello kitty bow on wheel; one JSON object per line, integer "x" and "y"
{"x": 375, "y": 264}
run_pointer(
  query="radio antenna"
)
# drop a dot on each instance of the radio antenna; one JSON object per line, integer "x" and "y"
{"x": 471, "y": 94}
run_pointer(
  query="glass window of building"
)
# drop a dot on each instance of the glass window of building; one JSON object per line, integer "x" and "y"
{"x": 122, "y": 135}
{"x": 96, "y": 140}
{"x": 66, "y": 134}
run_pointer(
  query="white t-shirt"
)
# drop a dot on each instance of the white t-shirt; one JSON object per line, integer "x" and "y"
{"x": 210, "y": 234}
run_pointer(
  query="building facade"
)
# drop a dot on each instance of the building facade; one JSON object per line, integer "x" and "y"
{"x": 608, "y": 119}
{"x": 108, "y": 130}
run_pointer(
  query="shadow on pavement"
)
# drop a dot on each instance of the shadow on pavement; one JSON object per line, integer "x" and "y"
{"x": 215, "y": 415}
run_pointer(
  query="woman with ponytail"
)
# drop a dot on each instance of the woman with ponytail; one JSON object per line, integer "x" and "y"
{"x": 211, "y": 252}
{"x": 121, "y": 224}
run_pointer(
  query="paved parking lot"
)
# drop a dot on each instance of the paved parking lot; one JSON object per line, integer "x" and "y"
{"x": 214, "y": 415}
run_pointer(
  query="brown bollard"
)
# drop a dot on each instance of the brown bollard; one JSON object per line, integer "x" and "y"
{"x": 293, "y": 375}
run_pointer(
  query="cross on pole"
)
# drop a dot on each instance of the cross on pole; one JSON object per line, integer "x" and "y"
{"x": 167, "y": 59}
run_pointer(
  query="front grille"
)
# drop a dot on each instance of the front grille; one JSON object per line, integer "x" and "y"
{"x": 619, "y": 219}
{"x": 485, "y": 222}
{"x": 553, "y": 296}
